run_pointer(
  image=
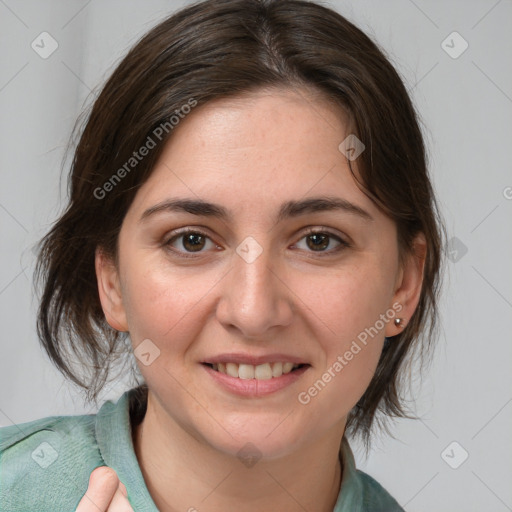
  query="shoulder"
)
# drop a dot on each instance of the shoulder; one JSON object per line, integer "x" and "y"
{"x": 375, "y": 497}
{"x": 47, "y": 462}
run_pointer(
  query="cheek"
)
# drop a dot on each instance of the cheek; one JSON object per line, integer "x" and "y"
{"x": 349, "y": 309}
{"x": 161, "y": 302}
{"x": 348, "y": 301}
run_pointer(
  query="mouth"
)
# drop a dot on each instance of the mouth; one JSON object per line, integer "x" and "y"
{"x": 254, "y": 376}
{"x": 264, "y": 371}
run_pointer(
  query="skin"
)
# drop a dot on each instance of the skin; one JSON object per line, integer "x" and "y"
{"x": 250, "y": 155}
{"x": 105, "y": 492}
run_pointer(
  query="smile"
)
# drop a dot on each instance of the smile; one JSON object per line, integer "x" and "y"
{"x": 265, "y": 371}
{"x": 255, "y": 381}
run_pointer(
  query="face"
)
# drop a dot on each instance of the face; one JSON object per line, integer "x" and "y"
{"x": 265, "y": 280}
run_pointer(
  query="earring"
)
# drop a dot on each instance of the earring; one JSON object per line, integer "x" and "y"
{"x": 399, "y": 322}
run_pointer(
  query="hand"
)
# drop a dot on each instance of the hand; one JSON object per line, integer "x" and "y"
{"x": 105, "y": 493}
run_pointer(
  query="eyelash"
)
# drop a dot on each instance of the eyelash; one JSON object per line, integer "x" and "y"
{"x": 309, "y": 232}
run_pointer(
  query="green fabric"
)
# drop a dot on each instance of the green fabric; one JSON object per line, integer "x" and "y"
{"x": 45, "y": 464}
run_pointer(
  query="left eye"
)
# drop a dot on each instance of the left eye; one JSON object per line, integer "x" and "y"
{"x": 319, "y": 241}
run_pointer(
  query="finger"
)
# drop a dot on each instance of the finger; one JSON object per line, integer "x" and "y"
{"x": 103, "y": 484}
{"x": 122, "y": 488}
{"x": 119, "y": 503}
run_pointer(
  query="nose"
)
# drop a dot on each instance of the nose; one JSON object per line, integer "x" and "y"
{"x": 255, "y": 298}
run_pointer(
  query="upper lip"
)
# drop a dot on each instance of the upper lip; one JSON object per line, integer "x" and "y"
{"x": 253, "y": 359}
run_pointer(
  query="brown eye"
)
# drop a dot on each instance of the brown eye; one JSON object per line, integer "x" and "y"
{"x": 193, "y": 242}
{"x": 189, "y": 242}
{"x": 322, "y": 242}
{"x": 317, "y": 241}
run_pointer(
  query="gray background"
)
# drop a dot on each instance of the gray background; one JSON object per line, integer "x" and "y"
{"x": 466, "y": 106}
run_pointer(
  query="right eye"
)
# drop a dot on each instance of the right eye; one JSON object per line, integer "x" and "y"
{"x": 191, "y": 241}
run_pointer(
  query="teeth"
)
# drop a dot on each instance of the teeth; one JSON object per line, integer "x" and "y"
{"x": 287, "y": 367}
{"x": 263, "y": 371}
{"x": 232, "y": 369}
{"x": 246, "y": 371}
{"x": 277, "y": 369}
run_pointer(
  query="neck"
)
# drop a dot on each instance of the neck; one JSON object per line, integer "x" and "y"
{"x": 182, "y": 473}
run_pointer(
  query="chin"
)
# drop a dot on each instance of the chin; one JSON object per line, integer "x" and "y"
{"x": 245, "y": 438}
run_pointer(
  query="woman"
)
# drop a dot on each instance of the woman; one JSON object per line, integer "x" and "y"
{"x": 250, "y": 209}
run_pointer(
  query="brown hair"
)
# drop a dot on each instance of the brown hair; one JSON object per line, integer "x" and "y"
{"x": 218, "y": 49}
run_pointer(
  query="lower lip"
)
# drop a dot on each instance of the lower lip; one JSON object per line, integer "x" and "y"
{"x": 255, "y": 387}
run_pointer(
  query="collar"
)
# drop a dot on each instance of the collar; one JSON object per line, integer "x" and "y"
{"x": 351, "y": 488}
{"x": 114, "y": 438}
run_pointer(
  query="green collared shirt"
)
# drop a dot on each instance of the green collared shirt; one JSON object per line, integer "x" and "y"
{"x": 45, "y": 464}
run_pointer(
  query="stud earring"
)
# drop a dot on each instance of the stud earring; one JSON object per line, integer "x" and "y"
{"x": 399, "y": 322}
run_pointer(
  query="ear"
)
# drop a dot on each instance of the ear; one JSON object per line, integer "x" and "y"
{"x": 110, "y": 291}
{"x": 408, "y": 285}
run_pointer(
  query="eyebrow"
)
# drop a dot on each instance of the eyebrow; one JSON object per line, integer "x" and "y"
{"x": 289, "y": 209}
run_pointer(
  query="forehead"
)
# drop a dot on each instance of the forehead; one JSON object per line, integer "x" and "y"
{"x": 255, "y": 149}
{"x": 278, "y": 120}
